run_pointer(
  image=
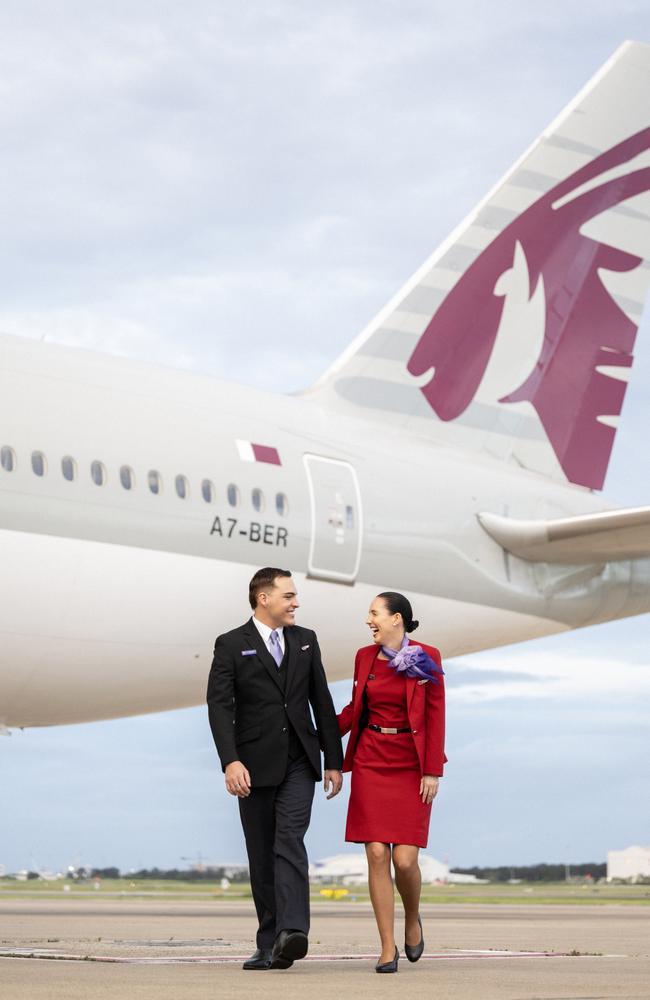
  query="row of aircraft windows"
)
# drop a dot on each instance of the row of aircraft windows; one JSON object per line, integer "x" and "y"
{"x": 99, "y": 476}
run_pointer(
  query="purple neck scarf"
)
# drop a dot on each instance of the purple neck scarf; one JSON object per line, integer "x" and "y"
{"x": 412, "y": 661}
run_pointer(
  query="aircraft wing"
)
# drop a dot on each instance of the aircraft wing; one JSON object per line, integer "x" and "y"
{"x": 589, "y": 538}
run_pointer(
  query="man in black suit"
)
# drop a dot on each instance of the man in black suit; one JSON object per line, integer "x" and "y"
{"x": 264, "y": 677}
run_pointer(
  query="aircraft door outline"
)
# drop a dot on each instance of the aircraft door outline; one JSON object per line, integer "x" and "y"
{"x": 336, "y": 519}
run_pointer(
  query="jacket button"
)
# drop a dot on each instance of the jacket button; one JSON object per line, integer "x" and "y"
{"x": 414, "y": 731}
{"x": 285, "y": 704}
{"x": 284, "y": 729}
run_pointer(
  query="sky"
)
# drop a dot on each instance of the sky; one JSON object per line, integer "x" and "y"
{"x": 236, "y": 189}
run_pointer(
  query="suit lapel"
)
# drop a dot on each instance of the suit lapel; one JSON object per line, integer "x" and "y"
{"x": 411, "y": 683}
{"x": 411, "y": 688}
{"x": 364, "y": 670}
{"x": 256, "y": 640}
{"x": 291, "y": 641}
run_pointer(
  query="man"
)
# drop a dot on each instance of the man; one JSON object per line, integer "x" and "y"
{"x": 264, "y": 677}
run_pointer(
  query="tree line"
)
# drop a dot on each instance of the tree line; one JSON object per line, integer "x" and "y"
{"x": 206, "y": 874}
{"x": 500, "y": 873}
{"x": 538, "y": 873}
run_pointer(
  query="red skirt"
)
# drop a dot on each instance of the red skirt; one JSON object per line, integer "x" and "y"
{"x": 385, "y": 803}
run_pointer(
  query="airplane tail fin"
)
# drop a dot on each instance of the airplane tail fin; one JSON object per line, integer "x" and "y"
{"x": 515, "y": 337}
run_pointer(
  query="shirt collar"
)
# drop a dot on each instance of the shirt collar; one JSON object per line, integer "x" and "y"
{"x": 265, "y": 631}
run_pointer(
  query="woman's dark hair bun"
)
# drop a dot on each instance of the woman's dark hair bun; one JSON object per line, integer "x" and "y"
{"x": 397, "y": 604}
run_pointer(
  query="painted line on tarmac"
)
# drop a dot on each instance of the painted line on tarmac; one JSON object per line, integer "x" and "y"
{"x": 455, "y": 956}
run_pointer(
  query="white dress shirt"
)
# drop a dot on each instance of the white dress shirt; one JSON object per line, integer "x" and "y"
{"x": 265, "y": 632}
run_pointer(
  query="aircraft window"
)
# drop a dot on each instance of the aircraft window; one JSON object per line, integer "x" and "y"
{"x": 98, "y": 473}
{"x": 182, "y": 487}
{"x": 258, "y": 500}
{"x": 68, "y": 468}
{"x": 281, "y": 504}
{"x": 233, "y": 495}
{"x": 127, "y": 478}
{"x": 349, "y": 517}
{"x": 155, "y": 481}
{"x": 38, "y": 463}
{"x": 207, "y": 490}
{"x": 8, "y": 458}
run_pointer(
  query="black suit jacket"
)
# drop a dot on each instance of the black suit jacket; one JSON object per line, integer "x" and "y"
{"x": 250, "y": 711}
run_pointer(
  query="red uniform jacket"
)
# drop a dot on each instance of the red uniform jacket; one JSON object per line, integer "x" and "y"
{"x": 425, "y": 705}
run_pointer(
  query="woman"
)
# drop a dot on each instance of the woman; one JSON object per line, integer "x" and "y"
{"x": 396, "y": 721}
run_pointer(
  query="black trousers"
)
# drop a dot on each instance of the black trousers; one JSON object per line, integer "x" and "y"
{"x": 275, "y": 821}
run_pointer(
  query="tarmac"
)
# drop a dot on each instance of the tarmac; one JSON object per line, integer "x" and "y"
{"x": 94, "y": 948}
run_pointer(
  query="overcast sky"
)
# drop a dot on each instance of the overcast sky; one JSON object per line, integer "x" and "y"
{"x": 219, "y": 186}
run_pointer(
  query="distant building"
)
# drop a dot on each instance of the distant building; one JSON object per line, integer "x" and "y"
{"x": 631, "y": 863}
{"x": 351, "y": 869}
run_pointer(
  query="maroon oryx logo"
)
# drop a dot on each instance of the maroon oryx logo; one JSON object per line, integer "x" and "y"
{"x": 584, "y": 327}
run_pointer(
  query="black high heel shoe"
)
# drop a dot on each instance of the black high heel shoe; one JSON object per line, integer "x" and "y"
{"x": 415, "y": 952}
{"x": 388, "y": 966}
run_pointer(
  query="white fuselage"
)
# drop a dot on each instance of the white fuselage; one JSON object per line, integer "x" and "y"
{"x": 112, "y": 597}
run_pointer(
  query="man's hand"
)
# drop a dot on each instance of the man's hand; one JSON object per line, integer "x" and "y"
{"x": 238, "y": 780}
{"x": 335, "y": 780}
{"x": 429, "y": 788}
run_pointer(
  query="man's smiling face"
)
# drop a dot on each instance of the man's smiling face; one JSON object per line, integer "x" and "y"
{"x": 277, "y": 605}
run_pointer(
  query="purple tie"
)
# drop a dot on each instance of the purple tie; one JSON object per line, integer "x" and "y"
{"x": 276, "y": 648}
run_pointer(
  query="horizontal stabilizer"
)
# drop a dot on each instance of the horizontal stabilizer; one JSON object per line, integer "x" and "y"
{"x": 608, "y": 536}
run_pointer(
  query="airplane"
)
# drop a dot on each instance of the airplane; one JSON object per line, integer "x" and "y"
{"x": 455, "y": 451}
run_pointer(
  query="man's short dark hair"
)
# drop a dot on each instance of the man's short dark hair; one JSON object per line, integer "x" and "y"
{"x": 264, "y": 579}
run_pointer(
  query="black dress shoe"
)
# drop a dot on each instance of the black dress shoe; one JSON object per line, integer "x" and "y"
{"x": 260, "y": 959}
{"x": 414, "y": 952}
{"x": 388, "y": 966}
{"x": 288, "y": 948}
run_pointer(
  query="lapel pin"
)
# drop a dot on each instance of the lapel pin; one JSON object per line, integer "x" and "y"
{"x": 249, "y": 652}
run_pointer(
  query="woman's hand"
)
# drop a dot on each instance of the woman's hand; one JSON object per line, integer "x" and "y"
{"x": 428, "y": 788}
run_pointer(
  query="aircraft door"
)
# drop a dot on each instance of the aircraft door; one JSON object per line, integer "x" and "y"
{"x": 336, "y": 526}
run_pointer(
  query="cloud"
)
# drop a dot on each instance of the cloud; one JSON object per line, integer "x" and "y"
{"x": 203, "y": 182}
{"x": 537, "y": 674}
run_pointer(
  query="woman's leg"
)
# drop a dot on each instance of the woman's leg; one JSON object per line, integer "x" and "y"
{"x": 382, "y": 896}
{"x": 408, "y": 880}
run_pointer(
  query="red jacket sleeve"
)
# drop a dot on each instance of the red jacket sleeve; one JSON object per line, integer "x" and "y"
{"x": 434, "y": 754}
{"x": 344, "y": 717}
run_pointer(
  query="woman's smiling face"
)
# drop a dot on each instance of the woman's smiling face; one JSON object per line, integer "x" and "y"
{"x": 385, "y": 627}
